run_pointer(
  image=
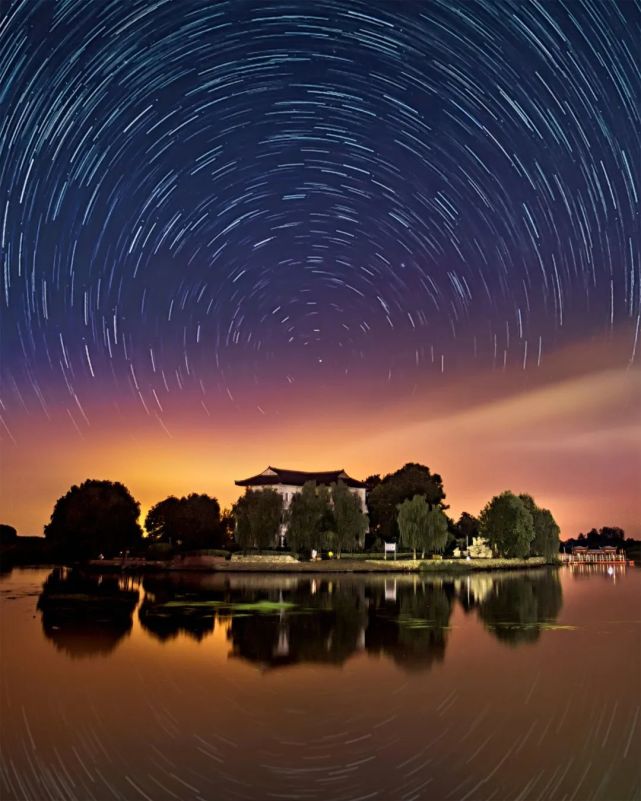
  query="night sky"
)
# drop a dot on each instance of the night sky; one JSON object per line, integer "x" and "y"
{"x": 321, "y": 235}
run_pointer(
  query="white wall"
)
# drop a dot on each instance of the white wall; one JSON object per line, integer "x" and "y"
{"x": 288, "y": 491}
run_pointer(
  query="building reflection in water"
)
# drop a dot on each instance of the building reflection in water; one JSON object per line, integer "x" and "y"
{"x": 410, "y": 623}
{"x": 322, "y": 621}
{"x": 86, "y": 615}
{"x": 329, "y": 620}
{"x": 275, "y": 621}
{"x": 405, "y": 620}
{"x": 610, "y": 572}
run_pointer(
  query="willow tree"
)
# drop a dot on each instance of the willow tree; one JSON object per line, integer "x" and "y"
{"x": 350, "y": 524}
{"x": 546, "y": 540}
{"x": 436, "y": 532}
{"x": 308, "y": 516}
{"x": 412, "y": 523}
{"x": 258, "y": 515}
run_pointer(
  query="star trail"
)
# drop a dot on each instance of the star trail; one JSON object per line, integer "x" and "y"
{"x": 204, "y": 205}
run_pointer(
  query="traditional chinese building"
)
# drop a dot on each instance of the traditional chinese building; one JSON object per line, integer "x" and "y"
{"x": 289, "y": 482}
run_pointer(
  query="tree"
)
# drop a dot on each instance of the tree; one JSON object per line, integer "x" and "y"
{"x": 508, "y": 526}
{"x": 93, "y": 518}
{"x": 467, "y": 527}
{"x": 412, "y": 479}
{"x": 190, "y": 522}
{"x": 613, "y": 535}
{"x": 436, "y": 533}
{"x": 8, "y": 534}
{"x": 258, "y": 515}
{"x": 162, "y": 521}
{"x": 608, "y": 535}
{"x": 546, "y": 531}
{"x": 308, "y": 517}
{"x": 373, "y": 481}
{"x": 350, "y": 524}
{"x": 201, "y": 522}
{"x": 422, "y": 528}
{"x": 227, "y": 524}
{"x": 412, "y": 523}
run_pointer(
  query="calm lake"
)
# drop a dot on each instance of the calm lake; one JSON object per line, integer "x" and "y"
{"x": 493, "y": 686}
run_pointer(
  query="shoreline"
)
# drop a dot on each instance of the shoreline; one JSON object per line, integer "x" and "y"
{"x": 262, "y": 565}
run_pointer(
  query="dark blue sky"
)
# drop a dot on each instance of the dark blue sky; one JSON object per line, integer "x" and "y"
{"x": 208, "y": 204}
{"x": 193, "y": 186}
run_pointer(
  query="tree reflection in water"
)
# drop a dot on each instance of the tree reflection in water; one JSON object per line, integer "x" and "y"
{"x": 326, "y": 623}
{"x": 86, "y": 615}
{"x": 407, "y": 621}
{"x": 516, "y": 608}
{"x": 322, "y": 620}
{"x": 330, "y": 620}
{"x": 412, "y": 627}
{"x": 170, "y": 607}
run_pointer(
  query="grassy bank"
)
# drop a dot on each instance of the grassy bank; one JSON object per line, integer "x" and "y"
{"x": 468, "y": 565}
{"x": 349, "y": 565}
{"x": 270, "y": 564}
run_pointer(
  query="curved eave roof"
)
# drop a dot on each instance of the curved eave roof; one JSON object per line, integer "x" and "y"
{"x": 273, "y": 476}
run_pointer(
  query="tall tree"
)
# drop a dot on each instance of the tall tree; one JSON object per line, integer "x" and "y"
{"x": 373, "y": 481}
{"x": 507, "y": 525}
{"x": 8, "y": 534}
{"x": 258, "y": 514}
{"x": 190, "y": 522}
{"x": 228, "y": 524}
{"x": 412, "y": 479}
{"x": 93, "y": 518}
{"x": 163, "y": 521}
{"x": 350, "y": 524}
{"x": 546, "y": 540}
{"x": 307, "y": 518}
{"x": 467, "y": 527}
{"x": 436, "y": 531}
{"x": 412, "y": 523}
{"x": 612, "y": 535}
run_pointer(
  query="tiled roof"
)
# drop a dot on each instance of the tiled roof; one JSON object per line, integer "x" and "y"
{"x": 275, "y": 475}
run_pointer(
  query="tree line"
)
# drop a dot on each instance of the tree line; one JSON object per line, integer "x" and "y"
{"x": 407, "y": 507}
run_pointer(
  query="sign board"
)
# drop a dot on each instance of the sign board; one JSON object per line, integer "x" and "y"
{"x": 389, "y": 547}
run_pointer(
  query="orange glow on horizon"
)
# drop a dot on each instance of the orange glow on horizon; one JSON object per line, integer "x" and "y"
{"x": 573, "y": 443}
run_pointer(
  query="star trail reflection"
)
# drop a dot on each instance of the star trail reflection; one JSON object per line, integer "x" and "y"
{"x": 333, "y": 687}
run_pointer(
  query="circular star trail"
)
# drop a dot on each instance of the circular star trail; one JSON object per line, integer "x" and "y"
{"x": 201, "y": 195}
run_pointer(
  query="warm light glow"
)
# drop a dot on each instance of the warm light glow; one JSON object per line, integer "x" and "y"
{"x": 573, "y": 443}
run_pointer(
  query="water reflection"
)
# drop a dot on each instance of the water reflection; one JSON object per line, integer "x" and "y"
{"x": 610, "y": 572}
{"x": 515, "y": 608}
{"x": 85, "y": 615}
{"x": 321, "y": 621}
{"x": 171, "y": 607}
{"x": 320, "y": 686}
{"x": 274, "y": 621}
{"x": 410, "y": 623}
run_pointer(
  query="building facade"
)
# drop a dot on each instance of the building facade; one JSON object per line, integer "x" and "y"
{"x": 289, "y": 482}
